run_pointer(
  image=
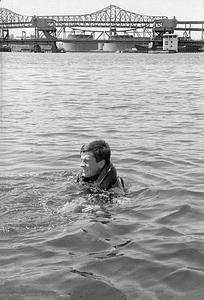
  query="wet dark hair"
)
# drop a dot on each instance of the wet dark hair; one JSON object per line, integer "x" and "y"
{"x": 100, "y": 150}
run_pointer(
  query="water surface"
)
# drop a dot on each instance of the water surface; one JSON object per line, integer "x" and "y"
{"x": 146, "y": 245}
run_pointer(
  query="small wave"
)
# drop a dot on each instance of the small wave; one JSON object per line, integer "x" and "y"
{"x": 94, "y": 288}
{"x": 185, "y": 279}
{"x": 79, "y": 240}
{"x": 187, "y": 253}
{"x": 182, "y": 213}
{"x": 167, "y": 232}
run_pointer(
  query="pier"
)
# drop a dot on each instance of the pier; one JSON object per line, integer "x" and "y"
{"x": 109, "y": 29}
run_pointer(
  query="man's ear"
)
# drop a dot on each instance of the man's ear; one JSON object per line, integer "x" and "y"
{"x": 101, "y": 163}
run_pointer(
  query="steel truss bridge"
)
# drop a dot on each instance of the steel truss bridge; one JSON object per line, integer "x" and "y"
{"x": 106, "y": 22}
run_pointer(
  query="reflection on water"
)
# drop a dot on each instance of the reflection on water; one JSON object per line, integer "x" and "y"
{"x": 55, "y": 241}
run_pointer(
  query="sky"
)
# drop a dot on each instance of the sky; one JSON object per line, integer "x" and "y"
{"x": 182, "y": 9}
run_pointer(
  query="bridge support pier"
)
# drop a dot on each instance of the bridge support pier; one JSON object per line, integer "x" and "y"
{"x": 80, "y": 46}
{"x": 114, "y": 46}
{"x": 4, "y": 33}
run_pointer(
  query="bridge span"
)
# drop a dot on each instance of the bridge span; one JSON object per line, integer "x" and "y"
{"x": 108, "y": 24}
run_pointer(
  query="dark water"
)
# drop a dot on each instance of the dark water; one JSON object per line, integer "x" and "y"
{"x": 146, "y": 245}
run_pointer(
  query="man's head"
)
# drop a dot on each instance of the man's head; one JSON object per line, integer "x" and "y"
{"x": 94, "y": 156}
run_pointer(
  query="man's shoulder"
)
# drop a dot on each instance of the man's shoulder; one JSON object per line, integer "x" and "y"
{"x": 118, "y": 187}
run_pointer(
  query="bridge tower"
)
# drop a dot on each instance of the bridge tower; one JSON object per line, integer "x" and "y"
{"x": 162, "y": 26}
{"x": 45, "y": 28}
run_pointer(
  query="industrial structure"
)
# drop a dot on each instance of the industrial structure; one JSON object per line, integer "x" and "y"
{"x": 109, "y": 29}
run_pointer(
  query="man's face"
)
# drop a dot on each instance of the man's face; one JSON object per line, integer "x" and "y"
{"x": 90, "y": 167}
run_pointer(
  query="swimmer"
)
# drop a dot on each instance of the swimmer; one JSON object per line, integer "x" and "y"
{"x": 97, "y": 169}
